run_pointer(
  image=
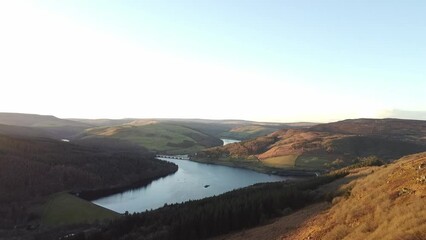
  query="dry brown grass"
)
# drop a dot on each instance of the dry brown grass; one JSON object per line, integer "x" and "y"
{"x": 286, "y": 161}
{"x": 387, "y": 204}
{"x": 275, "y": 229}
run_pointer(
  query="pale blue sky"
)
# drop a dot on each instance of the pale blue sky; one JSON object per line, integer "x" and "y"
{"x": 258, "y": 60}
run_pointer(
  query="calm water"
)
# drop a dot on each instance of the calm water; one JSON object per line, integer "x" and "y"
{"x": 187, "y": 183}
{"x": 228, "y": 141}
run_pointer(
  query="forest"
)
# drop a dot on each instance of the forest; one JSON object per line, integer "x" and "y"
{"x": 32, "y": 168}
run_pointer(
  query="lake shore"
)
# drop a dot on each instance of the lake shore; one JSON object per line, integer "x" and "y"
{"x": 188, "y": 183}
{"x": 94, "y": 194}
{"x": 303, "y": 173}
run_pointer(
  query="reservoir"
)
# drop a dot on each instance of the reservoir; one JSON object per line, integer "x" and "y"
{"x": 192, "y": 181}
{"x": 228, "y": 141}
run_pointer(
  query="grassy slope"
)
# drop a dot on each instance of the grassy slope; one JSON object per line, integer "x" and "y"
{"x": 160, "y": 137}
{"x": 314, "y": 149}
{"x": 235, "y": 129}
{"x": 384, "y": 202}
{"x": 286, "y": 161}
{"x": 70, "y": 128}
{"x": 49, "y": 125}
{"x": 65, "y": 209}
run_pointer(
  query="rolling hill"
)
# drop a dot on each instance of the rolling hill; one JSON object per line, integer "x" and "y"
{"x": 236, "y": 129}
{"x": 385, "y": 202}
{"x": 388, "y": 203}
{"x": 398, "y": 129}
{"x": 50, "y": 126}
{"x": 35, "y": 120}
{"x": 156, "y": 136}
{"x": 324, "y": 146}
{"x": 12, "y": 130}
{"x": 172, "y": 136}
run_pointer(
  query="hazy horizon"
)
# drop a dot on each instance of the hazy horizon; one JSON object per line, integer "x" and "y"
{"x": 390, "y": 115}
{"x": 274, "y": 61}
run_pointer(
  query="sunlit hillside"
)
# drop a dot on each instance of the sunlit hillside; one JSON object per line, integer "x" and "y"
{"x": 156, "y": 136}
{"x": 388, "y": 203}
{"x": 327, "y": 146}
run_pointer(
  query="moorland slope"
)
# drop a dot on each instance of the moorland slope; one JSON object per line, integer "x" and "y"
{"x": 156, "y": 136}
{"x": 323, "y": 147}
{"x": 385, "y": 202}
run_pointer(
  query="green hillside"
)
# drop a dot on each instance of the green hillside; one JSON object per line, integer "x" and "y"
{"x": 65, "y": 209}
{"x": 235, "y": 129}
{"x": 157, "y": 136}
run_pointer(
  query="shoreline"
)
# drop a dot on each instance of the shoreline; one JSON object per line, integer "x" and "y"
{"x": 94, "y": 194}
{"x": 266, "y": 170}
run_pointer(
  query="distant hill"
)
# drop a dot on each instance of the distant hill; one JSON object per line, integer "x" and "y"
{"x": 156, "y": 136}
{"x": 325, "y": 146}
{"x": 35, "y": 120}
{"x": 398, "y": 129}
{"x": 179, "y": 136}
{"x": 51, "y": 126}
{"x": 22, "y": 131}
{"x": 102, "y": 122}
{"x": 160, "y": 135}
{"x": 236, "y": 129}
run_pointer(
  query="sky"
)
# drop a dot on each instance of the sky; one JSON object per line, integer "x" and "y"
{"x": 283, "y": 60}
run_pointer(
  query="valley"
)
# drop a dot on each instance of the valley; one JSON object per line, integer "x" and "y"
{"x": 109, "y": 170}
{"x": 212, "y": 120}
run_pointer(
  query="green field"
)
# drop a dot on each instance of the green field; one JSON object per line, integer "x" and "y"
{"x": 248, "y": 132}
{"x": 65, "y": 209}
{"x": 159, "y": 137}
{"x": 312, "y": 162}
{"x": 286, "y": 161}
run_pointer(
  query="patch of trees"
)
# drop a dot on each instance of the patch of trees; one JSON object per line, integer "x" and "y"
{"x": 367, "y": 161}
{"x": 201, "y": 219}
{"x": 31, "y": 168}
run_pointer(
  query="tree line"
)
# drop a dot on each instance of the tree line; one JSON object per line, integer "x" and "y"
{"x": 235, "y": 210}
{"x": 31, "y": 168}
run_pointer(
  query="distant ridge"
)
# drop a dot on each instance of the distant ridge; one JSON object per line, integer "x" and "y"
{"x": 51, "y": 126}
{"x": 36, "y": 120}
{"x": 20, "y": 131}
{"x": 398, "y": 129}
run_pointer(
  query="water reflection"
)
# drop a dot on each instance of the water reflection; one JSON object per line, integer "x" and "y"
{"x": 187, "y": 183}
